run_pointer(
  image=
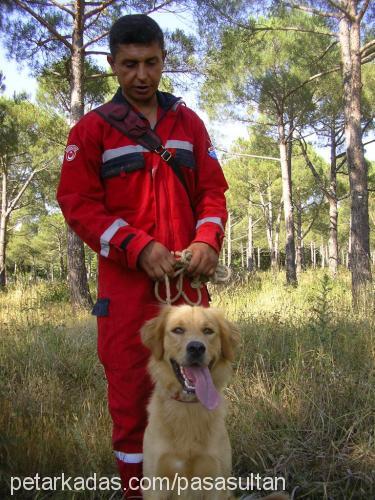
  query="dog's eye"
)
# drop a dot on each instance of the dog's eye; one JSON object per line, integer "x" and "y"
{"x": 208, "y": 331}
{"x": 178, "y": 330}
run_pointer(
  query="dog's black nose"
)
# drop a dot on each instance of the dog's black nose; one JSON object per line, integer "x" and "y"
{"x": 195, "y": 349}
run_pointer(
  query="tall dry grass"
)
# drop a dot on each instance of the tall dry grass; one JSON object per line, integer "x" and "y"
{"x": 303, "y": 395}
{"x": 302, "y": 398}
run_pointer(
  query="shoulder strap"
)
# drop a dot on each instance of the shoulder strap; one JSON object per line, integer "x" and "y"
{"x": 127, "y": 121}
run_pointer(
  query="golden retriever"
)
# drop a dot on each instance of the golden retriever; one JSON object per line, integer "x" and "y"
{"x": 192, "y": 349}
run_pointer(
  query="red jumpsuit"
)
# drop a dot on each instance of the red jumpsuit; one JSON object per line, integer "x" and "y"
{"x": 118, "y": 197}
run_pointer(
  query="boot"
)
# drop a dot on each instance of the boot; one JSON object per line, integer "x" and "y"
{"x": 131, "y": 490}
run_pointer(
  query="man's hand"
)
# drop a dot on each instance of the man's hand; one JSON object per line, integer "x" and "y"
{"x": 203, "y": 261}
{"x": 156, "y": 260}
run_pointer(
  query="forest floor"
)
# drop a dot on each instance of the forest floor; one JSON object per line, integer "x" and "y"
{"x": 302, "y": 399}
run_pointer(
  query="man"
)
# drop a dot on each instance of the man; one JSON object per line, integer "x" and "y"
{"x": 129, "y": 205}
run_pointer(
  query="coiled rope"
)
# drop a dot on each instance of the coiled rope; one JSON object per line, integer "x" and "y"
{"x": 221, "y": 275}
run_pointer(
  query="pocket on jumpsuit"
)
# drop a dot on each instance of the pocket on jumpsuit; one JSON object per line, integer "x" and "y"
{"x": 101, "y": 311}
{"x": 124, "y": 179}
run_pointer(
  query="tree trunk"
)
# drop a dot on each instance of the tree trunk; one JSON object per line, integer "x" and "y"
{"x": 314, "y": 255}
{"x": 277, "y": 233}
{"x": 3, "y": 226}
{"x": 349, "y": 35}
{"x": 290, "y": 254}
{"x": 299, "y": 240}
{"x": 250, "y": 252}
{"x": 333, "y": 212}
{"x": 267, "y": 210}
{"x": 77, "y": 276}
{"x": 333, "y": 248}
{"x": 229, "y": 239}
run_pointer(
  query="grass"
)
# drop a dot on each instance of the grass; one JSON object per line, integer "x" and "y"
{"x": 302, "y": 397}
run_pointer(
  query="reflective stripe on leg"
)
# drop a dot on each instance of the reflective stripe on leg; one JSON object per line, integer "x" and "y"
{"x": 129, "y": 458}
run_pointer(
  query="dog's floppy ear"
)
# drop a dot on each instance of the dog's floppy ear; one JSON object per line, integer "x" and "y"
{"x": 230, "y": 336}
{"x": 152, "y": 333}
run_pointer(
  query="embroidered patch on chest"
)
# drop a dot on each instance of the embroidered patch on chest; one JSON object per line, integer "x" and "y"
{"x": 71, "y": 152}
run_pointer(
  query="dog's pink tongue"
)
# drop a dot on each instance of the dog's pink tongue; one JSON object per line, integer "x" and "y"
{"x": 204, "y": 387}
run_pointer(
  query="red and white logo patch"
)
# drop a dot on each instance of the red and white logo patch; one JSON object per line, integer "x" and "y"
{"x": 71, "y": 152}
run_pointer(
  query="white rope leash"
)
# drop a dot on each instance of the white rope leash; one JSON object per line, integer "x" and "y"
{"x": 221, "y": 275}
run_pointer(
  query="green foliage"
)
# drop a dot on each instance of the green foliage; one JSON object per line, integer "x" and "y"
{"x": 54, "y": 85}
{"x": 2, "y": 82}
{"x": 29, "y": 142}
{"x": 29, "y": 40}
{"x": 56, "y": 292}
{"x": 259, "y": 180}
{"x": 40, "y": 245}
{"x": 180, "y": 51}
{"x": 322, "y": 311}
{"x": 268, "y": 69}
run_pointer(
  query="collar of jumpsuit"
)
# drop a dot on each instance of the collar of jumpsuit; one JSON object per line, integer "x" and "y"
{"x": 166, "y": 101}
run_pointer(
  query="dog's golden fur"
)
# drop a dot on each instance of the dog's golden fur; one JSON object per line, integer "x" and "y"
{"x": 184, "y": 437}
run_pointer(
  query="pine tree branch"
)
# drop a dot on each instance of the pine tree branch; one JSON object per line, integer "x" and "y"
{"x": 342, "y": 163}
{"x": 305, "y": 233}
{"x": 267, "y": 28}
{"x": 96, "y": 52}
{"x": 311, "y": 166}
{"x": 367, "y": 46}
{"x": 62, "y": 7}
{"x": 367, "y": 52}
{"x": 94, "y": 40}
{"x": 369, "y": 121}
{"x": 368, "y": 58}
{"x": 310, "y": 10}
{"x": 102, "y": 6}
{"x": 44, "y": 23}
{"x": 93, "y": 22}
{"x": 291, "y": 28}
{"x": 15, "y": 200}
{"x": 99, "y": 75}
{"x": 342, "y": 9}
{"x": 362, "y": 11}
{"x": 320, "y": 57}
{"x": 344, "y": 197}
{"x": 160, "y": 6}
{"x": 311, "y": 79}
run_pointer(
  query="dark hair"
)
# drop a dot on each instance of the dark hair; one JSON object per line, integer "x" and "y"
{"x": 134, "y": 28}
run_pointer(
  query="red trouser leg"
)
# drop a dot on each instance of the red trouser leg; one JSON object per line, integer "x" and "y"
{"x": 125, "y": 359}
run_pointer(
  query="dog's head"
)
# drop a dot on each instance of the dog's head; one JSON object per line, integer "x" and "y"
{"x": 196, "y": 344}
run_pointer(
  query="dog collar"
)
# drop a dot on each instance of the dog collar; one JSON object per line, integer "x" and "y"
{"x": 177, "y": 397}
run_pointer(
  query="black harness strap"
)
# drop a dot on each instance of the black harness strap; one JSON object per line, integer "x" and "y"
{"x": 127, "y": 121}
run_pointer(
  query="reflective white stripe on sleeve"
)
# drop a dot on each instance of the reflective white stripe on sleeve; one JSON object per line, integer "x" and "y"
{"x": 129, "y": 458}
{"x": 215, "y": 220}
{"x": 109, "y": 234}
{"x": 109, "y": 154}
{"x": 179, "y": 145}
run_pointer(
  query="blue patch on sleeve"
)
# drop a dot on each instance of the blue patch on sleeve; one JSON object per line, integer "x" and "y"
{"x": 211, "y": 152}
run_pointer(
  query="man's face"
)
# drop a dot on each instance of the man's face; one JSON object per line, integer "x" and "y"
{"x": 138, "y": 69}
